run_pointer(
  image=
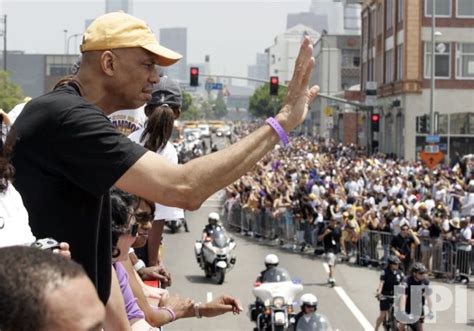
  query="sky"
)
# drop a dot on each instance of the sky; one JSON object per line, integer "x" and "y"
{"x": 231, "y": 32}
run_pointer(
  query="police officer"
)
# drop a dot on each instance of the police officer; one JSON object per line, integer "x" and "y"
{"x": 311, "y": 321}
{"x": 389, "y": 278}
{"x": 417, "y": 286}
{"x": 271, "y": 261}
{"x": 212, "y": 224}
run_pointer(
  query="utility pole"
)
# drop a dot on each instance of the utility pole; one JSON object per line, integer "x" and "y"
{"x": 5, "y": 42}
{"x": 65, "y": 41}
{"x": 433, "y": 71}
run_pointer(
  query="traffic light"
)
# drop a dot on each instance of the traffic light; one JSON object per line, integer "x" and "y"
{"x": 375, "y": 126}
{"x": 423, "y": 124}
{"x": 375, "y": 122}
{"x": 273, "y": 85}
{"x": 194, "y": 76}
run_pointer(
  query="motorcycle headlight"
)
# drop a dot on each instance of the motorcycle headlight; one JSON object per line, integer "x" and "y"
{"x": 278, "y": 302}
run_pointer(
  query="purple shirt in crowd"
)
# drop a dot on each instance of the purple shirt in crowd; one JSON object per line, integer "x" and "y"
{"x": 131, "y": 306}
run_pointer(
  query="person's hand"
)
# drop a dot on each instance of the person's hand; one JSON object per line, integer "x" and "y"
{"x": 430, "y": 315}
{"x": 221, "y": 305}
{"x": 181, "y": 306}
{"x": 63, "y": 250}
{"x": 156, "y": 272}
{"x": 155, "y": 292}
{"x": 299, "y": 96}
{"x": 402, "y": 257}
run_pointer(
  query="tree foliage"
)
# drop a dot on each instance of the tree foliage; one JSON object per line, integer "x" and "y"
{"x": 219, "y": 106}
{"x": 189, "y": 111}
{"x": 262, "y": 104}
{"x": 10, "y": 93}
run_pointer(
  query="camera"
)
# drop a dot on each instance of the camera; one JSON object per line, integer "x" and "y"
{"x": 46, "y": 243}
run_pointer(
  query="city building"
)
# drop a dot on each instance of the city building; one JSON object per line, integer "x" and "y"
{"x": 116, "y": 5}
{"x": 310, "y": 19}
{"x": 282, "y": 54}
{"x": 343, "y": 16}
{"x": 37, "y": 74}
{"x": 177, "y": 40}
{"x": 396, "y": 58}
{"x": 258, "y": 70}
{"x": 337, "y": 61}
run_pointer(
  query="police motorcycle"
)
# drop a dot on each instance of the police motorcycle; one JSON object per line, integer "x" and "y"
{"x": 274, "y": 307}
{"x": 215, "y": 253}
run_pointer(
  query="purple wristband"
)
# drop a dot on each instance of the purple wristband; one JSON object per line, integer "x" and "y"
{"x": 278, "y": 129}
{"x": 169, "y": 310}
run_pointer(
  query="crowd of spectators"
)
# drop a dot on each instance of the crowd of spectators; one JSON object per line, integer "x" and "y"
{"x": 312, "y": 181}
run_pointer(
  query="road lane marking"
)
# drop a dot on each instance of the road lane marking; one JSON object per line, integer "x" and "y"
{"x": 326, "y": 267}
{"x": 353, "y": 308}
{"x": 351, "y": 305}
{"x": 209, "y": 296}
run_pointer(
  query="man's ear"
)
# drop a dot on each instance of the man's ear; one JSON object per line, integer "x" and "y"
{"x": 108, "y": 63}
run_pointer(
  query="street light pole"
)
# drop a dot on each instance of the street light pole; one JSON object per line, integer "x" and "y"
{"x": 69, "y": 38}
{"x": 433, "y": 65}
{"x": 65, "y": 41}
{"x": 5, "y": 42}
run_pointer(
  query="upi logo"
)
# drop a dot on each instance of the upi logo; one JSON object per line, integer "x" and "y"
{"x": 428, "y": 301}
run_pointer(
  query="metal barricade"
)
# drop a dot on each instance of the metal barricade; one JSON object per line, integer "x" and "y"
{"x": 288, "y": 227}
{"x": 463, "y": 261}
{"x": 443, "y": 258}
{"x": 373, "y": 247}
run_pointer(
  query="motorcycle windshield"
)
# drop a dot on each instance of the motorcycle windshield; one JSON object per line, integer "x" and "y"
{"x": 276, "y": 275}
{"x": 220, "y": 238}
{"x": 316, "y": 322}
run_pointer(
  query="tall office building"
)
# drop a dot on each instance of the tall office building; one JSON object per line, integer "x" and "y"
{"x": 258, "y": 70}
{"x": 396, "y": 57}
{"x": 343, "y": 16}
{"x": 116, "y": 5}
{"x": 315, "y": 22}
{"x": 176, "y": 39}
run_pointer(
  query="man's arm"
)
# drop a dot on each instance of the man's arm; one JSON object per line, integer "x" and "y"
{"x": 189, "y": 185}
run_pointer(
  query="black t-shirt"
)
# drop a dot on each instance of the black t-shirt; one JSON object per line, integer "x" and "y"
{"x": 67, "y": 157}
{"x": 415, "y": 288}
{"x": 403, "y": 245}
{"x": 435, "y": 231}
{"x": 390, "y": 279}
{"x": 331, "y": 240}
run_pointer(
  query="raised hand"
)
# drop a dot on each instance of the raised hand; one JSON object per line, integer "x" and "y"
{"x": 299, "y": 96}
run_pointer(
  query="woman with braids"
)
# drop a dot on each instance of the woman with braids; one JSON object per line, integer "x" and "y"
{"x": 161, "y": 110}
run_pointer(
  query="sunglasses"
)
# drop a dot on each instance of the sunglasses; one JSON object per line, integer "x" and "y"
{"x": 144, "y": 217}
{"x": 133, "y": 230}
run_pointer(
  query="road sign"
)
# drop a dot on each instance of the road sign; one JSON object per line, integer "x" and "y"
{"x": 431, "y": 160}
{"x": 432, "y": 148}
{"x": 432, "y": 139}
{"x": 328, "y": 111}
{"x": 217, "y": 86}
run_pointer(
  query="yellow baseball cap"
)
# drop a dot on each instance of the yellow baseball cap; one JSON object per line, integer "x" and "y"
{"x": 120, "y": 30}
